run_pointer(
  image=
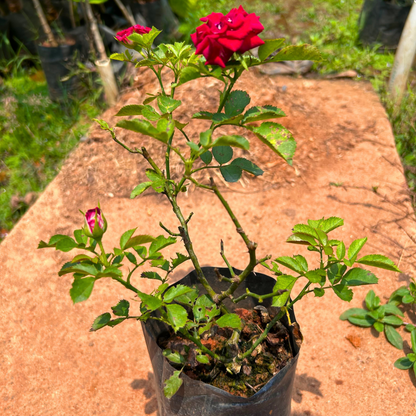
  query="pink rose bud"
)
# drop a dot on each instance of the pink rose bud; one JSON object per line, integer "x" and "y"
{"x": 123, "y": 35}
{"x": 95, "y": 224}
{"x": 223, "y": 35}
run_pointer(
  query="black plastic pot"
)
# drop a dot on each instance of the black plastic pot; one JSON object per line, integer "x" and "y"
{"x": 56, "y": 62}
{"x": 382, "y": 22}
{"x": 201, "y": 399}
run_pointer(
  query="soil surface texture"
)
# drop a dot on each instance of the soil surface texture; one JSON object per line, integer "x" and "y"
{"x": 346, "y": 165}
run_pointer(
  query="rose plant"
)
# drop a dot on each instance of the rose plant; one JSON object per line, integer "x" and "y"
{"x": 224, "y": 43}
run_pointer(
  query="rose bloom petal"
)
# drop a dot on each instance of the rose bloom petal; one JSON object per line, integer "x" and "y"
{"x": 90, "y": 218}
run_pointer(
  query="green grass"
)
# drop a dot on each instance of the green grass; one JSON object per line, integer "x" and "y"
{"x": 36, "y": 135}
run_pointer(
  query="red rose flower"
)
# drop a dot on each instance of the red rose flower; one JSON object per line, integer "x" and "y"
{"x": 123, "y": 35}
{"x": 223, "y": 35}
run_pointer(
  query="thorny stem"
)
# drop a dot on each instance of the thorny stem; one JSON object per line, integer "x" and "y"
{"x": 251, "y": 246}
{"x": 183, "y": 231}
{"x": 123, "y": 145}
{"x": 226, "y": 261}
{"x": 168, "y": 231}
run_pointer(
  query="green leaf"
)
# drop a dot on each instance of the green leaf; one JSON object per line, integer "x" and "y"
{"x": 121, "y": 309}
{"x": 305, "y": 229}
{"x": 151, "y": 275}
{"x": 111, "y": 271}
{"x": 269, "y": 46}
{"x": 231, "y": 173}
{"x": 66, "y": 244}
{"x": 353, "y": 312}
{"x": 297, "y": 53}
{"x": 343, "y": 292}
{"x": 377, "y": 260}
{"x": 393, "y": 337}
{"x": 247, "y": 165}
{"x": 172, "y": 384}
{"x": 205, "y": 138}
{"x": 410, "y": 327}
{"x": 283, "y": 282}
{"x": 278, "y": 138}
{"x": 341, "y": 250}
{"x": 141, "y": 251}
{"x": 176, "y": 291}
{"x": 189, "y": 298}
{"x": 403, "y": 363}
{"x": 82, "y": 268}
{"x": 204, "y": 300}
{"x": 358, "y": 277}
{"x": 81, "y": 289}
{"x": 355, "y": 247}
{"x": 203, "y": 359}
{"x": 222, "y": 119}
{"x": 199, "y": 312}
{"x": 390, "y": 308}
{"x": 290, "y": 263}
{"x": 144, "y": 127}
{"x": 236, "y": 103}
{"x": 177, "y": 316}
{"x": 139, "y": 189}
{"x": 300, "y": 238}
{"x": 159, "y": 243}
{"x": 138, "y": 240}
{"x": 232, "y": 140}
{"x": 101, "y": 321}
{"x": 145, "y": 40}
{"x": 397, "y": 295}
{"x": 205, "y": 328}
{"x": 115, "y": 322}
{"x": 313, "y": 276}
{"x": 302, "y": 262}
{"x": 151, "y": 96}
{"x": 330, "y": 224}
{"x": 206, "y": 157}
{"x": 114, "y": 56}
{"x": 167, "y": 104}
{"x": 392, "y": 320}
{"x": 203, "y": 115}
{"x": 158, "y": 182}
{"x": 187, "y": 74}
{"x": 322, "y": 237}
{"x": 161, "y": 264}
{"x": 222, "y": 154}
{"x": 175, "y": 357}
{"x": 80, "y": 237}
{"x": 378, "y": 326}
{"x": 150, "y": 301}
{"x": 194, "y": 147}
{"x": 262, "y": 113}
{"x": 407, "y": 299}
{"x": 229, "y": 320}
{"x": 179, "y": 260}
{"x": 365, "y": 322}
{"x": 370, "y": 300}
{"x": 318, "y": 292}
{"x": 126, "y": 237}
{"x": 137, "y": 110}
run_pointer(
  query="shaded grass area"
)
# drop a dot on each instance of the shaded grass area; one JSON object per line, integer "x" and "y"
{"x": 332, "y": 26}
{"x": 36, "y": 135}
